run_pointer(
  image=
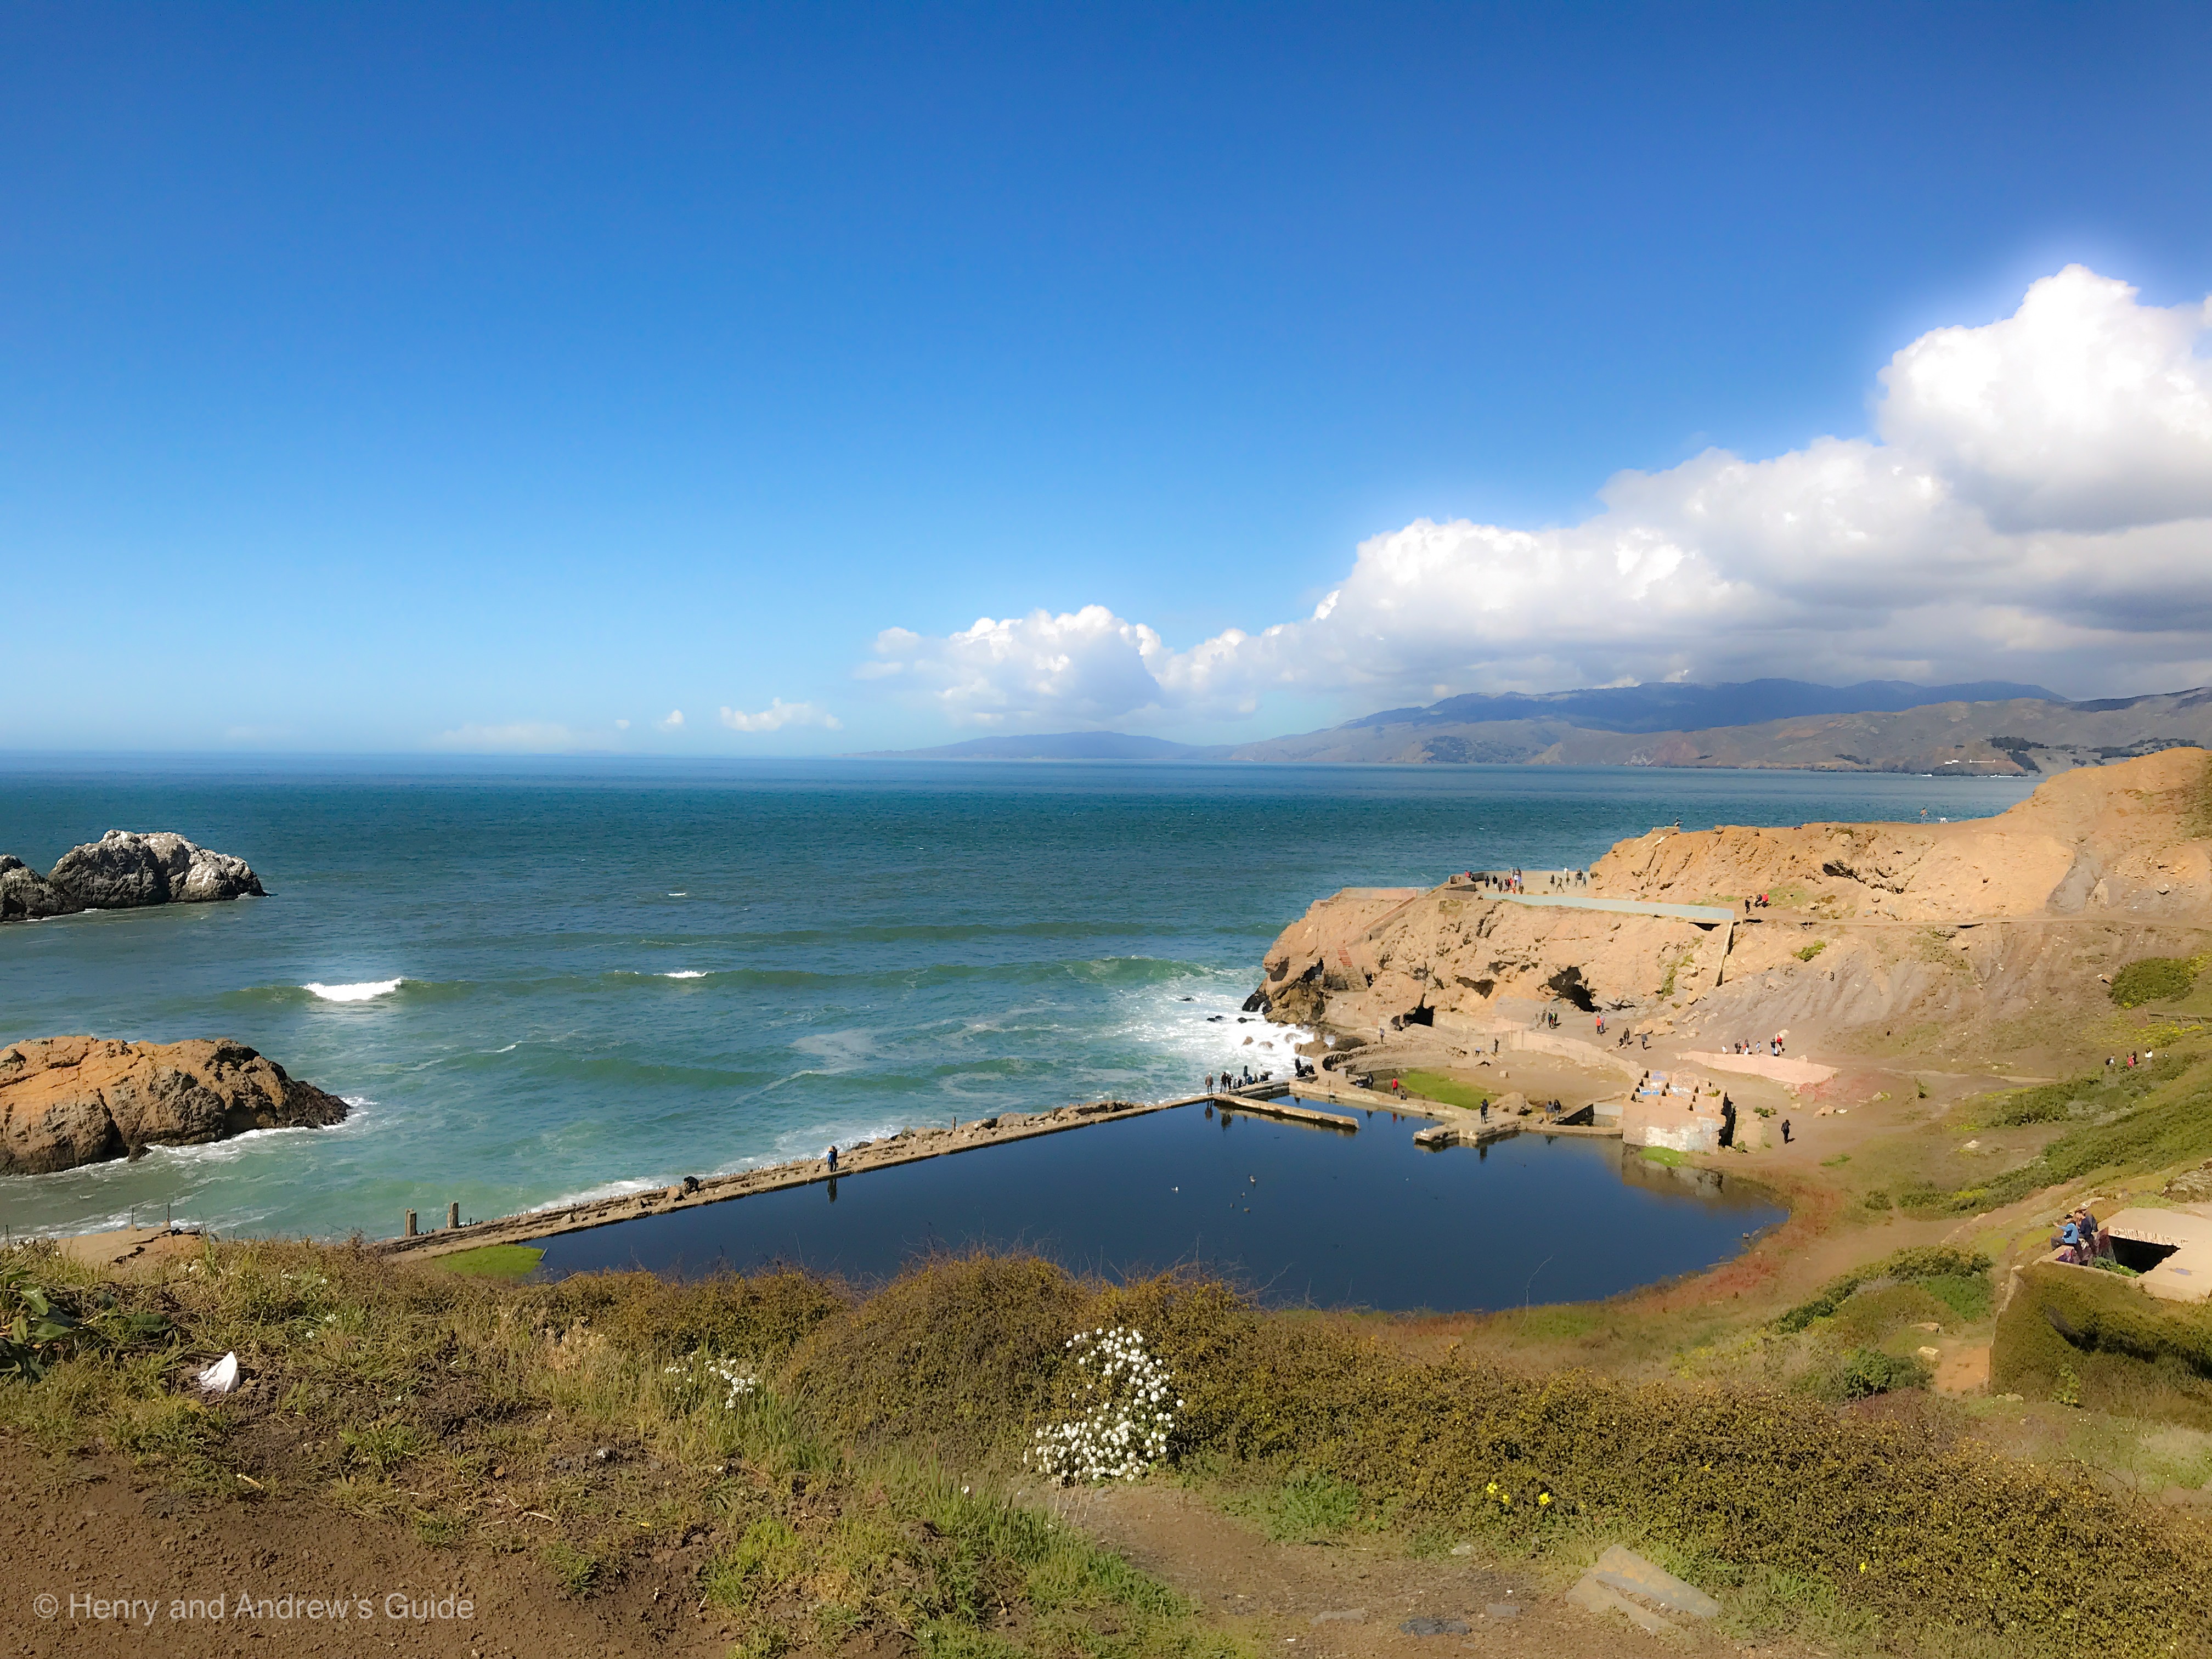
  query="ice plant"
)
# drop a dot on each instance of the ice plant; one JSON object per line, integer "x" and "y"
{"x": 1123, "y": 1411}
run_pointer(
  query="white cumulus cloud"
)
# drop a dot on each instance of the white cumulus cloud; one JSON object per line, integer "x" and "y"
{"x": 672, "y": 721}
{"x": 778, "y": 714}
{"x": 2036, "y": 504}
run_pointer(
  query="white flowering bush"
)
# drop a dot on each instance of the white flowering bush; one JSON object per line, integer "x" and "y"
{"x": 1123, "y": 1411}
{"x": 726, "y": 1377}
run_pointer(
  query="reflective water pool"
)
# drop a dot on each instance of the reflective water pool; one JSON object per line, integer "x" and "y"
{"x": 1295, "y": 1214}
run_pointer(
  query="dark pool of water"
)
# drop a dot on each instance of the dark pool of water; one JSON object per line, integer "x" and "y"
{"x": 1295, "y": 1214}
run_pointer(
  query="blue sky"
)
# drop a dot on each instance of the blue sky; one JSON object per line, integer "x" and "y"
{"x": 399, "y": 377}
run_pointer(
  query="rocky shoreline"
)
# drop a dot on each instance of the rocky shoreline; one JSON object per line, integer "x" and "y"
{"x": 70, "y": 1101}
{"x": 124, "y": 870}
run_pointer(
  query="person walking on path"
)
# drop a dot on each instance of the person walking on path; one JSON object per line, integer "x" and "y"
{"x": 1785, "y": 1131}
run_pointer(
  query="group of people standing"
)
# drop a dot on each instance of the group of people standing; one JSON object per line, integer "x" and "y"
{"x": 1773, "y": 1046}
{"x": 1232, "y": 1079}
{"x": 2080, "y": 1240}
{"x": 1517, "y": 880}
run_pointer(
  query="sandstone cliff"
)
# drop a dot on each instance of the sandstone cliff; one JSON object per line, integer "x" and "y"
{"x": 1866, "y": 924}
{"x": 70, "y": 1100}
{"x": 123, "y": 871}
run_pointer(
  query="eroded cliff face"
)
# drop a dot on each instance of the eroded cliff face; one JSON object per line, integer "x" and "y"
{"x": 2127, "y": 839}
{"x": 1866, "y": 924}
{"x": 71, "y": 1100}
{"x": 123, "y": 871}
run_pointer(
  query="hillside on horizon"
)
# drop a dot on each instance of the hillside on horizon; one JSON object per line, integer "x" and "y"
{"x": 1985, "y": 727}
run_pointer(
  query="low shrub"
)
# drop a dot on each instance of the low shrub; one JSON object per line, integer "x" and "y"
{"x": 2155, "y": 979}
{"x": 962, "y": 1355}
{"x": 1864, "y": 1372}
{"x": 1926, "y": 1263}
{"x": 1877, "y": 1313}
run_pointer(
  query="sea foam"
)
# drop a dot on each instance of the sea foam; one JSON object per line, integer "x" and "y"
{"x": 686, "y": 973}
{"x": 361, "y": 992}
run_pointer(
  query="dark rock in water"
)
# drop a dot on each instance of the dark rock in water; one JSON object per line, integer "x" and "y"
{"x": 25, "y": 895}
{"x": 123, "y": 871}
{"x": 1256, "y": 1002}
{"x": 71, "y": 1100}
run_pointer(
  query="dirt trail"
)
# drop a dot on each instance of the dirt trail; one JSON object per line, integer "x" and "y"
{"x": 1281, "y": 1595}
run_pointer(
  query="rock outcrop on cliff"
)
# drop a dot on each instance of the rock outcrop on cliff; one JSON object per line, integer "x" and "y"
{"x": 1866, "y": 924}
{"x": 70, "y": 1100}
{"x": 123, "y": 871}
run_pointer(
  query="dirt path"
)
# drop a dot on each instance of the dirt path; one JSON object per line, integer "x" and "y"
{"x": 1349, "y": 1603}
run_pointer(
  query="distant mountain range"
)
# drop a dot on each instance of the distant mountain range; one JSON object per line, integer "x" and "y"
{"x": 1667, "y": 707}
{"x": 1992, "y": 727}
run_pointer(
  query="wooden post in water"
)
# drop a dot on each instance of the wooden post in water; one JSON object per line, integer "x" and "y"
{"x": 452, "y": 1215}
{"x": 410, "y": 1224}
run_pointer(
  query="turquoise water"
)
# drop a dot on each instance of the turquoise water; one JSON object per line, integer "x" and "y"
{"x": 581, "y": 978}
{"x": 1535, "y": 1217}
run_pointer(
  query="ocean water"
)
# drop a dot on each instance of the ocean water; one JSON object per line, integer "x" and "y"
{"x": 539, "y": 982}
{"x": 1535, "y": 1217}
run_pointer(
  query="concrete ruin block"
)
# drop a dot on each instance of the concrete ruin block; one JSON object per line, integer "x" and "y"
{"x": 1592, "y": 1597}
{"x": 1628, "y": 1574}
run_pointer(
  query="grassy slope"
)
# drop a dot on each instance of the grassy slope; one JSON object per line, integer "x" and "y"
{"x": 456, "y": 1405}
{"x": 829, "y": 1489}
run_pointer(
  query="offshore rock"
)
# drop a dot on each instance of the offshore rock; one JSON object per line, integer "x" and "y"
{"x": 124, "y": 870}
{"x": 70, "y": 1100}
{"x": 25, "y": 895}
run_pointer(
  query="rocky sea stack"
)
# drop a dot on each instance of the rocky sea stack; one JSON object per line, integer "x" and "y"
{"x": 123, "y": 871}
{"x": 70, "y": 1100}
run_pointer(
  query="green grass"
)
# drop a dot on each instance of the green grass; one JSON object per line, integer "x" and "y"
{"x": 2157, "y": 1116}
{"x": 1442, "y": 1086}
{"x": 1306, "y": 1508}
{"x": 493, "y": 1262}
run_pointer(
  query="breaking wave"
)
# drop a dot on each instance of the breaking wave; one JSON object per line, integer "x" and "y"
{"x": 365, "y": 991}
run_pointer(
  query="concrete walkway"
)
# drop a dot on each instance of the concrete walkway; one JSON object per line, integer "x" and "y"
{"x": 1705, "y": 915}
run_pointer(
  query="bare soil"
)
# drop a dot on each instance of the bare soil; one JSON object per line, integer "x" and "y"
{"x": 87, "y": 1529}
